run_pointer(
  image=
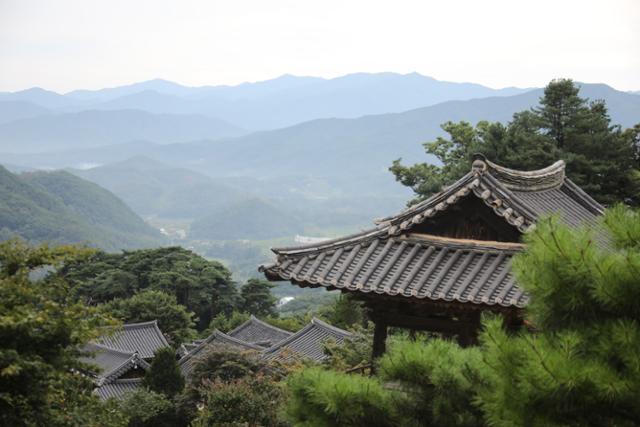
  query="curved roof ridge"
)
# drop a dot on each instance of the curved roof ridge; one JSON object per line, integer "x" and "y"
{"x": 251, "y": 319}
{"x": 139, "y": 324}
{"x": 315, "y": 322}
{"x": 102, "y": 347}
{"x": 217, "y": 334}
{"x": 290, "y": 338}
{"x": 337, "y": 242}
{"x": 326, "y": 325}
{"x": 532, "y": 180}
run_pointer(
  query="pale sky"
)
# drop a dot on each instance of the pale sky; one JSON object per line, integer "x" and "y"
{"x": 63, "y": 45}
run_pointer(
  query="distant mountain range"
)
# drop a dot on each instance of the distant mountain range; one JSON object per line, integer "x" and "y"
{"x": 327, "y": 146}
{"x": 59, "y": 207}
{"x": 328, "y": 172}
{"x": 270, "y": 104}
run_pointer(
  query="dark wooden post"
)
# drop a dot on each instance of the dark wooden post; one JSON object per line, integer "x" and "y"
{"x": 468, "y": 334}
{"x": 379, "y": 338}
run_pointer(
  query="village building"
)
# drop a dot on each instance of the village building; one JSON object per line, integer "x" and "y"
{"x": 437, "y": 265}
{"x": 122, "y": 358}
{"x": 307, "y": 343}
{"x": 257, "y": 332}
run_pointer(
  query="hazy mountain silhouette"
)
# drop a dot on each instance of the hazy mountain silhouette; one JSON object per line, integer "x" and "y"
{"x": 270, "y": 104}
{"x": 95, "y": 128}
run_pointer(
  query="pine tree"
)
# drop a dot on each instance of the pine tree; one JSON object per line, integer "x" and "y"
{"x": 164, "y": 376}
{"x": 601, "y": 158}
{"x": 582, "y": 368}
{"x": 257, "y": 298}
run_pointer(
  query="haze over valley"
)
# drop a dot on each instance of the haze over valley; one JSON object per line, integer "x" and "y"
{"x": 232, "y": 170}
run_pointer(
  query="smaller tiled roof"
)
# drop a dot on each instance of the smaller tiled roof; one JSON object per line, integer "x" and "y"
{"x": 217, "y": 340}
{"x": 112, "y": 363}
{"x": 145, "y": 338}
{"x": 117, "y": 389}
{"x": 257, "y": 332}
{"x": 308, "y": 342}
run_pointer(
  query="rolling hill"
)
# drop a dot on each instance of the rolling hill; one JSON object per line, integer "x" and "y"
{"x": 59, "y": 207}
{"x": 150, "y": 187}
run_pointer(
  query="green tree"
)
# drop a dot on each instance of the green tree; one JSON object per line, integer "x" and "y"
{"x": 318, "y": 397}
{"x": 173, "y": 318}
{"x": 257, "y": 298}
{"x": 582, "y": 369}
{"x": 249, "y": 401}
{"x": 344, "y": 312}
{"x": 41, "y": 329}
{"x": 145, "y": 408}
{"x": 164, "y": 375}
{"x": 203, "y": 287}
{"x": 600, "y": 157}
{"x": 225, "y": 323}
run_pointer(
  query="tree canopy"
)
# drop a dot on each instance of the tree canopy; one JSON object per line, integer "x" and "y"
{"x": 173, "y": 319}
{"x": 203, "y": 287}
{"x": 41, "y": 329}
{"x": 603, "y": 159}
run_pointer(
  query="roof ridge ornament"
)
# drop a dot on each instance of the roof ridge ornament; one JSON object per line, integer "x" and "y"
{"x": 479, "y": 165}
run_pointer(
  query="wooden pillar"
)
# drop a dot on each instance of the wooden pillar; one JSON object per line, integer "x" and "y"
{"x": 468, "y": 335}
{"x": 379, "y": 338}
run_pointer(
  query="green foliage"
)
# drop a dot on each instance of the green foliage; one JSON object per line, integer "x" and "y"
{"x": 601, "y": 158}
{"x": 59, "y": 207}
{"x": 248, "y": 401}
{"x": 235, "y": 388}
{"x": 344, "y": 312}
{"x": 355, "y": 351}
{"x": 325, "y": 398}
{"x": 203, "y": 287}
{"x": 226, "y": 365}
{"x": 173, "y": 319}
{"x": 41, "y": 329}
{"x": 225, "y": 323}
{"x": 257, "y": 298}
{"x": 291, "y": 324}
{"x": 145, "y": 408}
{"x": 436, "y": 379}
{"x": 164, "y": 375}
{"x": 582, "y": 369}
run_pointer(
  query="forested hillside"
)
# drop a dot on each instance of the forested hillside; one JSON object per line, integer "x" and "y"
{"x": 59, "y": 207}
{"x": 150, "y": 187}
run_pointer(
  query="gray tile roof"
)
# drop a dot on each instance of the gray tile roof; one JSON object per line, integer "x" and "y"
{"x": 112, "y": 363}
{"x": 117, "y": 389}
{"x": 307, "y": 342}
{"x": 217, "y": 340}
{"x": 144, "y": 338}
{"x": 257, "y": 332}
{"x": 391, "y": 260}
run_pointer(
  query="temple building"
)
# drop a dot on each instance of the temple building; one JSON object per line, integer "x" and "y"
{"x": 438, "y": 264}
{"x": 118, "y": 362}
